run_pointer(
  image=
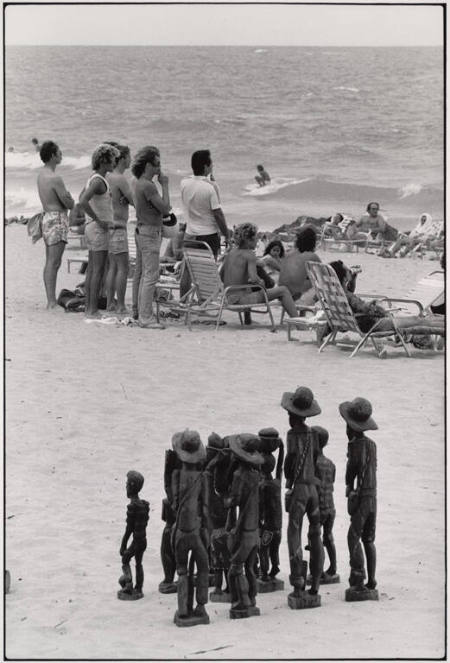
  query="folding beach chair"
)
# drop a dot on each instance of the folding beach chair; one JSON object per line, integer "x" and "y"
{"x": 340, "y": 316}
{"x": 429, "y": 291}
{"x": 207, "y": 293}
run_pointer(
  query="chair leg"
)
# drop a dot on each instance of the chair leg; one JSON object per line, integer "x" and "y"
{"x": 289, "y": 332}
{"x": 282, "y": 317}
{"x": 359, "y": 345}
{"x": 405, "y": 347}
{"x": 272, "y": 321}
{"x": 219, "y": 317}
{"x": 329, "y": 339}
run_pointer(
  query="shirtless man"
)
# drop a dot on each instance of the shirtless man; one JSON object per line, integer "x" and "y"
{"x": 122, "y": 197}
{"x": 373, "y": 222}
{"x": 293, "y": 272}
{"x": 239, "y": 268}
{"x": 263, "y": 176}
{"x": 56, "y": 200}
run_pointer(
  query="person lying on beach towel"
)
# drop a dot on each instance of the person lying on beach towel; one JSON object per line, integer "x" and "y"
{"x": 368, "y": 313}
{"x": 239, "y": 268}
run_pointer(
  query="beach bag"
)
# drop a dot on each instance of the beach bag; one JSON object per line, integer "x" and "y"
{"x": 34, "y": 227}
{"x": 70, "y": 301}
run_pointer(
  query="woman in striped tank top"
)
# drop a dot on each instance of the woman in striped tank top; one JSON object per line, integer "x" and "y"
{"x": 96, "y": 201}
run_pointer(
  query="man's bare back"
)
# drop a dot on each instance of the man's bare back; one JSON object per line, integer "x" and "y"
{"x": 52, "y": 192}
{"x": 235, "y": 269}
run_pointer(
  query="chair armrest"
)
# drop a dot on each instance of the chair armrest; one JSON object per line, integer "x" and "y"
{"x": 397, "y": 300}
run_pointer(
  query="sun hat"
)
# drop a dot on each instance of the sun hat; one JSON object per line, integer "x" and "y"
{"x": 216, "y": 442}
{"x": 301, "y": 402}
{"x": 358, "y": 414}
{"x": 246, "y": 447}
{"x": 188, "y": 446}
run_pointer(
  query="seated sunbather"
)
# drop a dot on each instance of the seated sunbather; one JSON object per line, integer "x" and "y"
{"x": 426, "y": 230}
{"x": 373, "y": 223}
{"x": 293, "y": 273}
{"x": 271, "y": 260}
{"x": 239, "y": 268}
{"x": 368, "y": 313}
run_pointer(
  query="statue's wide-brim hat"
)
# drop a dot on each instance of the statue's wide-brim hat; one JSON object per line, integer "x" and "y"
{"x": 300, "y": 402}
{"x": 358, "y": 414}
{"x": 188, "y": 447}
{"x": 245, "y": 447}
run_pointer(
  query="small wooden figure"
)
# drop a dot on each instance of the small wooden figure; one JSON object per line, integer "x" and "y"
{"x": 362, "y": 498}
{"x": 218, "y": 460}
{"x": 270, "y": 511}
{"x": 190, "y": 531}
{"x": 137, "y": 519}
{"x": 244, "y": 534}
{"x": 326, "y": 472}
{"x": 302, "y": 497}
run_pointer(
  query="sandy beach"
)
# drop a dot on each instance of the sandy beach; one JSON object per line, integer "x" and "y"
{"x": 85, "y": 403}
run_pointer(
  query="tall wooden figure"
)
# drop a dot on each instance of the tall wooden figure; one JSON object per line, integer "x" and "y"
{"x": 361, "y": 499}
{"x": 302, "y": 497}
{"x": 244, "y": 535}
{"x": 190, "y": 532}
{"x": 168, "y": 584}
{"x": 137, "y": 519}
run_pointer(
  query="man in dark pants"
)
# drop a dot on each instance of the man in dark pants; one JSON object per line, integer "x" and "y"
{"x": 362, "y": 499}
{"x": 302, "y": 497}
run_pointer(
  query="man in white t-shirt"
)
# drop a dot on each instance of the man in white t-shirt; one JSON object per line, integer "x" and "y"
{"x": 200, "y": 197}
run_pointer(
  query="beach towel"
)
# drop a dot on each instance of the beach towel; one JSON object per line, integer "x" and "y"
{"x": 34, "y": 227}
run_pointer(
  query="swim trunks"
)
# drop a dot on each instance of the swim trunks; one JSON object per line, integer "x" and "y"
{"x": 96, "y": 237}
{"x": 118, "y": 240}
{"x": 55, "y": 226}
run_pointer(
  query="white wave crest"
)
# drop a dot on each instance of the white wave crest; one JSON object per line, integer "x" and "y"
{"x": 260, "y": 50}
{"x": 347, "y": 89}
{"x": 275, "y": 185}
{"x": 409, "y": 190}
{"x": 23, "y": 200}
{"x": 32, "y": 160}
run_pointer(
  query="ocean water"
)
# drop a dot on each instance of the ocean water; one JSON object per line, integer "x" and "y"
{"x": 335, "y": 127}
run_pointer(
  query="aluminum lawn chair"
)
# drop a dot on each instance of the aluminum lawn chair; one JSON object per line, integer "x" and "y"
{"x": 207, "y": 294}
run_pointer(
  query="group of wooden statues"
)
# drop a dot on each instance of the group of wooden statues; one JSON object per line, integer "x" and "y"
{"x": 223, "y": 514}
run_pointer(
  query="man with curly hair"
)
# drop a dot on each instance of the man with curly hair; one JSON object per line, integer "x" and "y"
{"x": 239, "y": 268}
{"x": 96, "y": 201}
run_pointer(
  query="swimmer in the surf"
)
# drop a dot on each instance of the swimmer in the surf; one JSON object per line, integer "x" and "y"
{"x": 35, "y": 142}
{"x": 262, "y": 176}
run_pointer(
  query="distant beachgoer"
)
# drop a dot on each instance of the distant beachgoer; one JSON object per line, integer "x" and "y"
{"x": 373, "y": 222}
{"x": 122, "y": 198}
{"x": 150, "y": 209}
{"x": 239, "y": 268}
{"x": 35, "y": 142}
{"x": 95, "y": 199}
{"x": 56, "y": 200}
{"x": 273, "y": 255}
{"x": 293, "y": 273}
{"x": 263, "y": 176}
{"x": 11, "y": 148}
{"x": 425, "y": 230}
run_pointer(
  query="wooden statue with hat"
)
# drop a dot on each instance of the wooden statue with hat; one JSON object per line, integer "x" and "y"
{"x": 137, "y": 519}
{"x": 270, "y": 511}
{"x": 217, "y": 464}
{"x": 190, "y": 538}
{"x": 326, "y": 472}
{"x": 302, "y": 497}
{"x": 168, "y": 584}
{"x": 244, "y": 535}
{"x": 361, "y": 498}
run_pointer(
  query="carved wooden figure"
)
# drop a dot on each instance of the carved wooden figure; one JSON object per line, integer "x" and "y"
{"x": 243, "y": 523}
{"x": 270, "y": 511}
{"x": 137, "y": 519}
{"x": 362, "y": 498}
{"x": 190, "y": 531}
{"x": 168, "y": 584}
{"x": 302, "y": 497}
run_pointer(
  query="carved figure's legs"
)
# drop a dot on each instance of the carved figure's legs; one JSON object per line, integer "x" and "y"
{"x": 185, "y": 543}
{"x": 368, "y": 537}
{"x": 362, "y": 523}
{"x": 220, "y": 558}
{"x": 294, "y": 539}
{"x": 264, "y": 559}
{"x": 328, "y": 542}
{"x": 316, "y": 550}
{"x": 250, "y": 575}
{"x": 200, "y": 555}
{"x": 181, "y": 556}
{"x": 167, "y": 555}
{"x": 274, "y": 553}
{"x": 126, "y": 580}
{"x": 139, "y": 571}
